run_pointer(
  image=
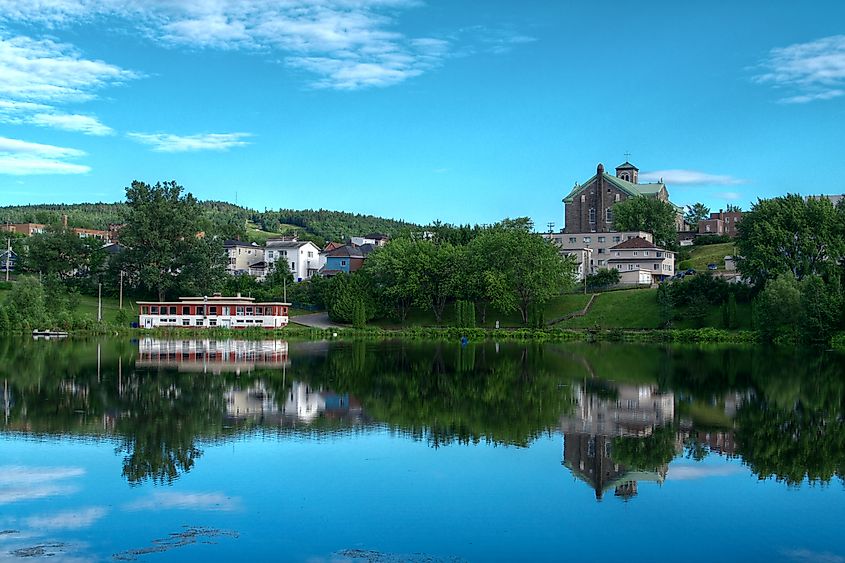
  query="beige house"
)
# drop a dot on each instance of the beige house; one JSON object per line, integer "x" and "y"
{"x": 592, "y": 249}
{"x": 243, "y": 257}
{"x": 641, "y": 262}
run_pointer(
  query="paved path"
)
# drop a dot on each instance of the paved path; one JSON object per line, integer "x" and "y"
{"x": 314, "y": 320}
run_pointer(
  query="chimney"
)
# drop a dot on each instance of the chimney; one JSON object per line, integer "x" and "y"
{"x": 239, "y": 295}
{"x": 600, "y": 169}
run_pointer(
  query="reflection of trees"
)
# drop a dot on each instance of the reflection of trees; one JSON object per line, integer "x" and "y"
{"x": 446, "y": 392}
{"x": 163, "y": 416}
{"x": 645, "y": 453}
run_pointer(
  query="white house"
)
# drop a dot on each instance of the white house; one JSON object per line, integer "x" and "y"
{"x": 303, "y": 258}
{"x": 641, "y": 262}
{"x": 592, "y": 250}
{"x": 243, "y": 257}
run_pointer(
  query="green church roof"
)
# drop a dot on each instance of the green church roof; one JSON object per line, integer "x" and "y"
{"x": 631, "y": 189}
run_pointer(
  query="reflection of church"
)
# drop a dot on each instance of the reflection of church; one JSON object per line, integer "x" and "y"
{"x": 602, "y": 415}
{"x": 301, "y": 404}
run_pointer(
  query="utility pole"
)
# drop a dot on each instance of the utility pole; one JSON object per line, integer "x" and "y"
{"x": 99, "y": 303}
{"x": 121, "y": 289}
{"x": 285, "y": 286}
{"x": 8, "y": 255}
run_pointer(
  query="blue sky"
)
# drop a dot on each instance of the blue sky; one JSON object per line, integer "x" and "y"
{"x": 422, "y": 110}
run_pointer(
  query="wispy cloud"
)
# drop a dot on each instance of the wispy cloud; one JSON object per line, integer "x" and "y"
{"x": 37, "y": 77}
{"x": 167, "y": 142}
{"x": 808, "y": 71}
{"x": 729, "y": 195}
{"x": 186, "y": 501}
{"x": 20, "y": 483}
{"x": 68, "y": 520}
{"x": 343, "y": 44}
{"x": 690, "y": 178}
{"x": 22, "y": 158}
{"x": 692, "y": 472}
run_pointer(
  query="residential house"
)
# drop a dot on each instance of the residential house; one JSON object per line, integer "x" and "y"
{"x": 347, "y": 258}
{"x": 641, "y": 262}
{"x": 592, "y": 249}
{"x": 588, "y": 208}
{"x": 243, "y": 257}
{"x": 303, "y": 258}
{"x": 375, "y": 239}
{"x": 7, "y": 260}
{"x": 27, "y": 229}
{"x": 721, "y": 223}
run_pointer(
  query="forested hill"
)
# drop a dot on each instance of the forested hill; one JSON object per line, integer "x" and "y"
{"x": 224, "y": 218}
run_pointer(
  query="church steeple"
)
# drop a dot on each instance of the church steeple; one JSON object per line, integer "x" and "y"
{"x": 627, "y": 172}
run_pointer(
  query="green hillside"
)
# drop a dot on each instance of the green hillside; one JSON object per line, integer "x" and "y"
{"x": 223, "y": 218}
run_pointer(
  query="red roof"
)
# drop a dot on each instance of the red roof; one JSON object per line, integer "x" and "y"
{"x": 635, "y": 242}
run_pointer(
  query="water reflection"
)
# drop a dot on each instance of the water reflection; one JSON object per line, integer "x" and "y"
{"x": 624, "y": 412}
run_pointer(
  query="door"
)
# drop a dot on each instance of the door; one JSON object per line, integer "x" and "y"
{"x": 148, "y": 323}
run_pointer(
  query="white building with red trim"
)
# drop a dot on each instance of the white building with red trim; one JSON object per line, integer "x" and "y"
{"x": 213, "y": 312}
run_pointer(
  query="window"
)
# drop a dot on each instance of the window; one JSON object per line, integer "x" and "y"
{"x": 657, "y": 266}
{"x": 608, "y": 215}
{"x": 343, "y": 262}
{"x": 212, "y": 310}
{"x": 617, "y": 198}
{"x": 249, "y": 311}
{"x": 239, "y": 311}
{"x": 583, "y": 198}
{"x": 645, "y": 252}
{"x": 635, "y": 253}
{"x": 186, "y": 310}
{"x": 588, "y": 240}
{"x": 658, "y": 254}
{"x": 310, "y": 254}
{"x": 201, "y": 310}
{"x": 601, "y": 239}
{"x": 212, "y": 322}
{"x": 573, "y": 239}
{"x": 592, "y": 215}
{"x": 293, "y": 266}
{"x": 186, "y": 322}
{"x": 173, "y": 310}
{"x": 601, "y": 250}
{"x": 617, "y": 253}
{"x": 617, "y": 239}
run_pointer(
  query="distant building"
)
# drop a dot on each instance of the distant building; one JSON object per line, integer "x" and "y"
{"x": 346, "y": 259}
{"x": 375, "y": 239}
{"x": 243, "y": 257}
{"x": 592, "y": 249}
{"x": 588, "y": 208}
{"x": 30, "y": 229}
{"x": 721, "y": 223}
{"x": 641, "y": 262}
{"x": 8, "y": 258}
{"x": 212, "y": 312}
{"x": 302, "y": 258}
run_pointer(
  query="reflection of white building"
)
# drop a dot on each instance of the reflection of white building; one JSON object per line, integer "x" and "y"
{"x": 626, "y": 410}
{"x": 605, "y": 412}
{"x": 307, "y": 403}
{"x": 251, "y": 401}
{"x": 212, "y": 356}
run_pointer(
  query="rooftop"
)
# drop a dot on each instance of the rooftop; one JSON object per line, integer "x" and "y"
{"x": 635, "y": 242}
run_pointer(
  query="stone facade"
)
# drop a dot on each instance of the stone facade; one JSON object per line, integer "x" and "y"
{"x": 721, "y": 223}
{"x": 589, "y": 207}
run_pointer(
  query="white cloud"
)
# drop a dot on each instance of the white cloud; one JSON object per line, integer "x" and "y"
{"x": 729, "y": 195}
{"x": 166, "y": 142}
{"x": 813, "y": 71}
{"x": 45, "y": 71}
{"x": 71, "y": 122}
{"x": 20, "y": 483}
{"x": 345, "y": 44}
{"x": 186, "y": 501}
{"x": 691, "y": 472}
{"x": 690, "y": 178}
{"x": 68, "y": 520}
{"x": 23, "y": 158}
{"x": 809, "y": 555}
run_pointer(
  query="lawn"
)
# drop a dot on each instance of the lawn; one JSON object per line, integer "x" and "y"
{"x": 88, "y": 307}
{"x": 633, "y": 308}
{"x": 255, "y": 234}
{"x": 711, "y": 253}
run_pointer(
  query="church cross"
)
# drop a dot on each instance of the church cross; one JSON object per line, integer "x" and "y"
{"x": 627, "y": 156}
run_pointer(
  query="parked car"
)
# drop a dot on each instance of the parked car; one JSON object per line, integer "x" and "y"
{"x": 712, "y": 266}
{"x": 690, "y": 272}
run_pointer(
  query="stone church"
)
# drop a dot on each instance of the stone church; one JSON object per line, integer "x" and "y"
{"x": 589, "y": 206}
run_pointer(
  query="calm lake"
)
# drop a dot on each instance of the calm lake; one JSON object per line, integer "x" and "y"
{"x": 157, "y": 450}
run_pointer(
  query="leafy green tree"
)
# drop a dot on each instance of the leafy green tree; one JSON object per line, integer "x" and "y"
{"x": 62, "y": 253}
{"x": 204, "y": 269}
{"x": 647, "y": 453}
{"x": 395, "y": 277}
{"x": 820, "y": 305}
{"x": 788, "y": 235}
{"x": 4, "y": 320}
{"x": 436, "y": 269}
{"x": 696, "y": 213}
{"x": 343, "y": 295}
{"x": 603, "y": 278}
{"x": 359, "y": 314}
{"x": 665, "y": 302}
{"x": 777, "y": 309}
{"x": 160, "y": 234}
{"x": 522, "y": 269}
{"x": 647, "y": 214}
{"x": 27, "y": 304}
